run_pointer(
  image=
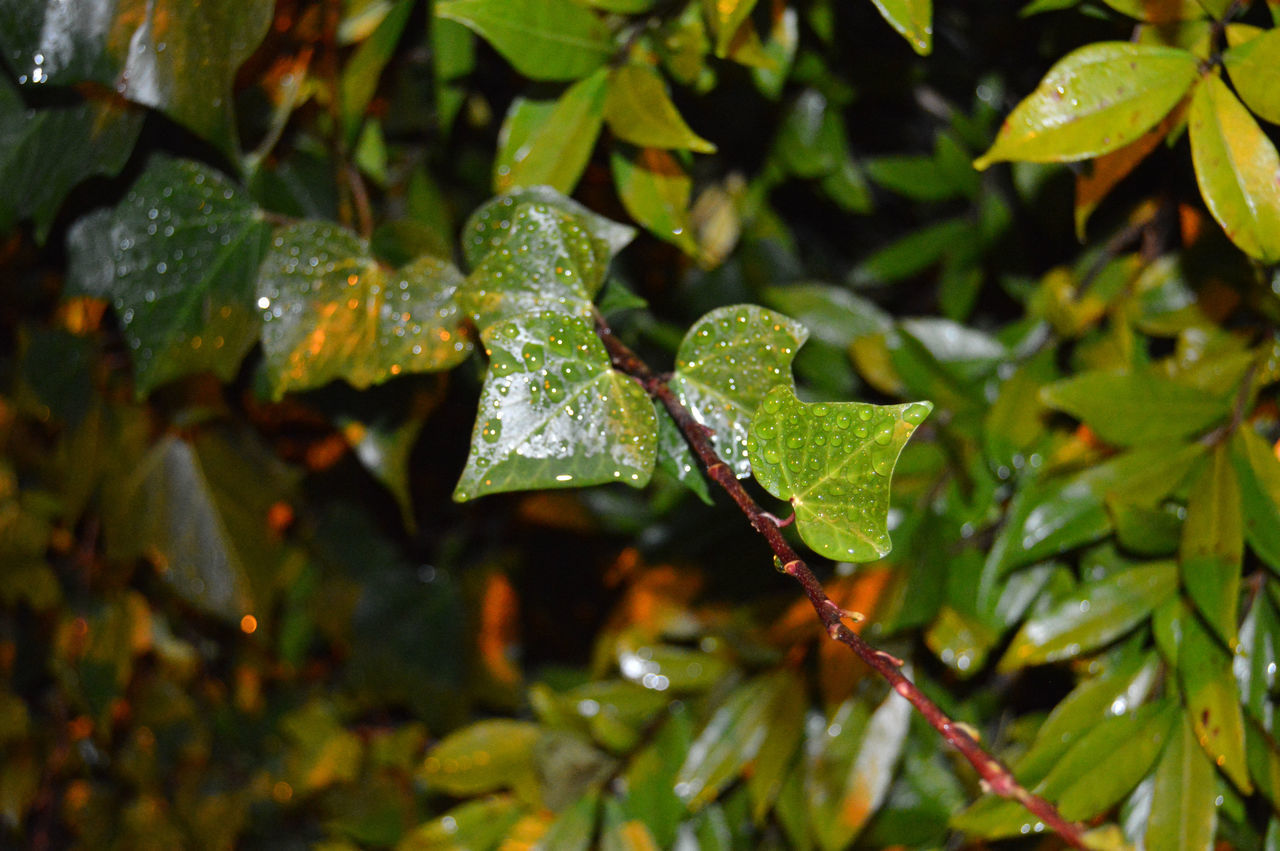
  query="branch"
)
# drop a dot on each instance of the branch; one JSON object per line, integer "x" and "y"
{"x": 995, "y": 775}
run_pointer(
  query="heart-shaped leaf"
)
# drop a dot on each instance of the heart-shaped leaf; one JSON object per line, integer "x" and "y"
{"x": 554, "y": 414}
{"x": 834, "y": 462}
{"x": 1097, "y": 99}
{"x": 490, "y": 225}
{"x": 331, "y": 311}
{"x": 185, "y": 245}
{"x": 727, "y": 363}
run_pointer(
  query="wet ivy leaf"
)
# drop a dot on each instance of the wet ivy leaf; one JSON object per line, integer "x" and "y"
{"x": 1136, "y": 408}
{"x": 834, "y": 462}
{"x": 172, "y": 55}
{"x": 550, "y": 144}
{"x": 1211, "y": 696}
{"x": 1259, "y": 475}
{"x": 1099, "y": 98}
{"x": 675, "y": 456}
{"x": 489, "y": 225}
{"x": 640, "y": 111}
{"x": 1182, "y": 802}
{"x": 1254, "y": 68}
{"x": 1213, "y": 544}
{"x": 185, "y": 248}
{"x": 913, "y": 19}
{"x": 1236, "y": 166}
{"x": 549, "y": 260}
{"x": 553, "y": 413}
{"x": 543, "y": 39}
{"x": 1092, "y": 615}
{"x": 727, "y": 363}
{"x": 45, "y": 153}
{"x": 655, "y": 188}
{"x": 330, "y": 311}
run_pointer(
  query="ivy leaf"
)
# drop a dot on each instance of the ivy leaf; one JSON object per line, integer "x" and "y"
{"x": 1237, "y": 168}
{"x": 543, "y": 39}
{"x": 655, "y": 188}
{"x": 45, "y": 153}
{"x": 1097, "y": 99}
{"x": 331, "y": 311}
{"x": 728, "y": 361}
{"x": 640, "y": 111}
{"x": 184, "y": 248}
{"x": 554, "y": 414}
{"x": 489, "y": 225}
{"x": 675, "y": 456}
{"x": 834, "y": 462}
{"x": 551, "y": 146}
{"x": 1255, "y": 72}
{"x": 913, "y": 19}
{"x": 549, "y": 260}
{"x": 172, "y": 55}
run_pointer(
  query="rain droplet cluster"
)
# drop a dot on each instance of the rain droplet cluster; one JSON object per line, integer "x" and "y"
{"x": 730, "y": 359}
{"x": 834, "y": 462}
{"x": 553, "y": 413}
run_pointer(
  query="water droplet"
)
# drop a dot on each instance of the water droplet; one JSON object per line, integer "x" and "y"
{"x": 864, "y": 414}
{"x": 884, "y": 434}
{"x": 916, "y": 413}
{"x": 772, "y": 405}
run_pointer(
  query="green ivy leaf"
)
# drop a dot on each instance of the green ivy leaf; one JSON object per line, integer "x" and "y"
{"x": 490, "y": 224}
{"x": 655, "y": 188}
{"x": 184, "y": 248}
{"x": 727, "y": 363}
{"x": 331, "y": 311}
{"x": 640, "y": 111}
{"x": 45, "y": 153}
{"x": 554, "y": 414}
{"x": 1097, "y": 99}
{"x": 543, "y": 39}
{"x": 675, "y": 456}
{"x": 172, "y": 55}
{"x": 1236, "y": 167}
{"x": 547, "y": 260}
{"x": 834, "y": 462}
{"x": 913, "y": 19}
{"x": 550, "y": 145}
{"x": 1255, "y": 72}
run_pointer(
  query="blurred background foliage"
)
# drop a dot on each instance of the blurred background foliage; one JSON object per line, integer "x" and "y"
{"x": 239, "y": 608}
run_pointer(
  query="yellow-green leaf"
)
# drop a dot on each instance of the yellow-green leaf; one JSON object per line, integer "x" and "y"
{"x": 550, "y": 147}
{"x": 1213, "y": 544}
{"x": 913, "y": 19}
{"x": 655, "y": 189}
{"x": 1182, "y": 802}
{"x": 1097, "y": 99}
{"x": 640, "y": 111}
{"x": 1158, "y": 11}
{"x": 543, "y": 39}
{"x": 724, "y": 18}
{"x": 1211, "y": 695}
{"x": 1238, "y": 170}
{"x": 1254, "y": 67}
{"x": 483, "y": 757}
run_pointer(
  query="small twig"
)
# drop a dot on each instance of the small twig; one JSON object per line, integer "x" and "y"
{"x": 995, "y": 775}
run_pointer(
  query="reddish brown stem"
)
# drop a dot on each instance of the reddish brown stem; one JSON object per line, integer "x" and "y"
{"x": 995, "y": 775}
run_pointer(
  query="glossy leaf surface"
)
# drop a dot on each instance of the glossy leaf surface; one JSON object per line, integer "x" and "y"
{"x": 1099, "y": 98}
{"x": 655, "y": 188}
{"x": 551, "y": 146}
{"x": 1213, "y": 544}
{"x": 1212, "y": 697}
{"x": 553, "y": 413}
{"x": 1136, "y": 408}
{"x": 331, "y": 311}
{"x": 833, "y": 462}
{"x": 913, "y": 19}
{"x": 1258, "y": 472}
{"x": 1182, "y": 803}
{"x": 726, "y": 365}
{"x": 543, "y": 39}
{"x": 640, "y": 111}
{"x": 489, "y": 225}
{"x": 184, "y": 245}
{"x": 1254, "y": 68}
{"x": 1236, "y": 167}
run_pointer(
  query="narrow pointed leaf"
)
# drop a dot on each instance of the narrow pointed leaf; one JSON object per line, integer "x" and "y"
{"x": 1136, "y": 408}
{"x": 655, "y": 188}
{"x": 1099, "y": 98}
{"x": 1212, "y": 697}
{"x": 554, "y": 149}
{"x": 727, "y": 363}
{"x": 186, "y": 244}
{"x": 834, "y": 462}
{"x": 724, "y": 18}
{"x": 332, "y": 311}
{"x": 1254, "y": 68}
{"x": 876, "y": 765}
{"x": 1094, "y": 614}
{"x": 482, "y": 757}
{"x": 554, "y": 414}
{"x": 543, "y": 39}
{"x": 640, "y": 111}
{"x": 1259, "y": 475}
{"x": 1093, "y": 185}
{"x": 1213, "y": 544}
{"x": 1238, "y": 170}
{"x": 1183, "y": 814}
{"x": 913, "y": 19}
